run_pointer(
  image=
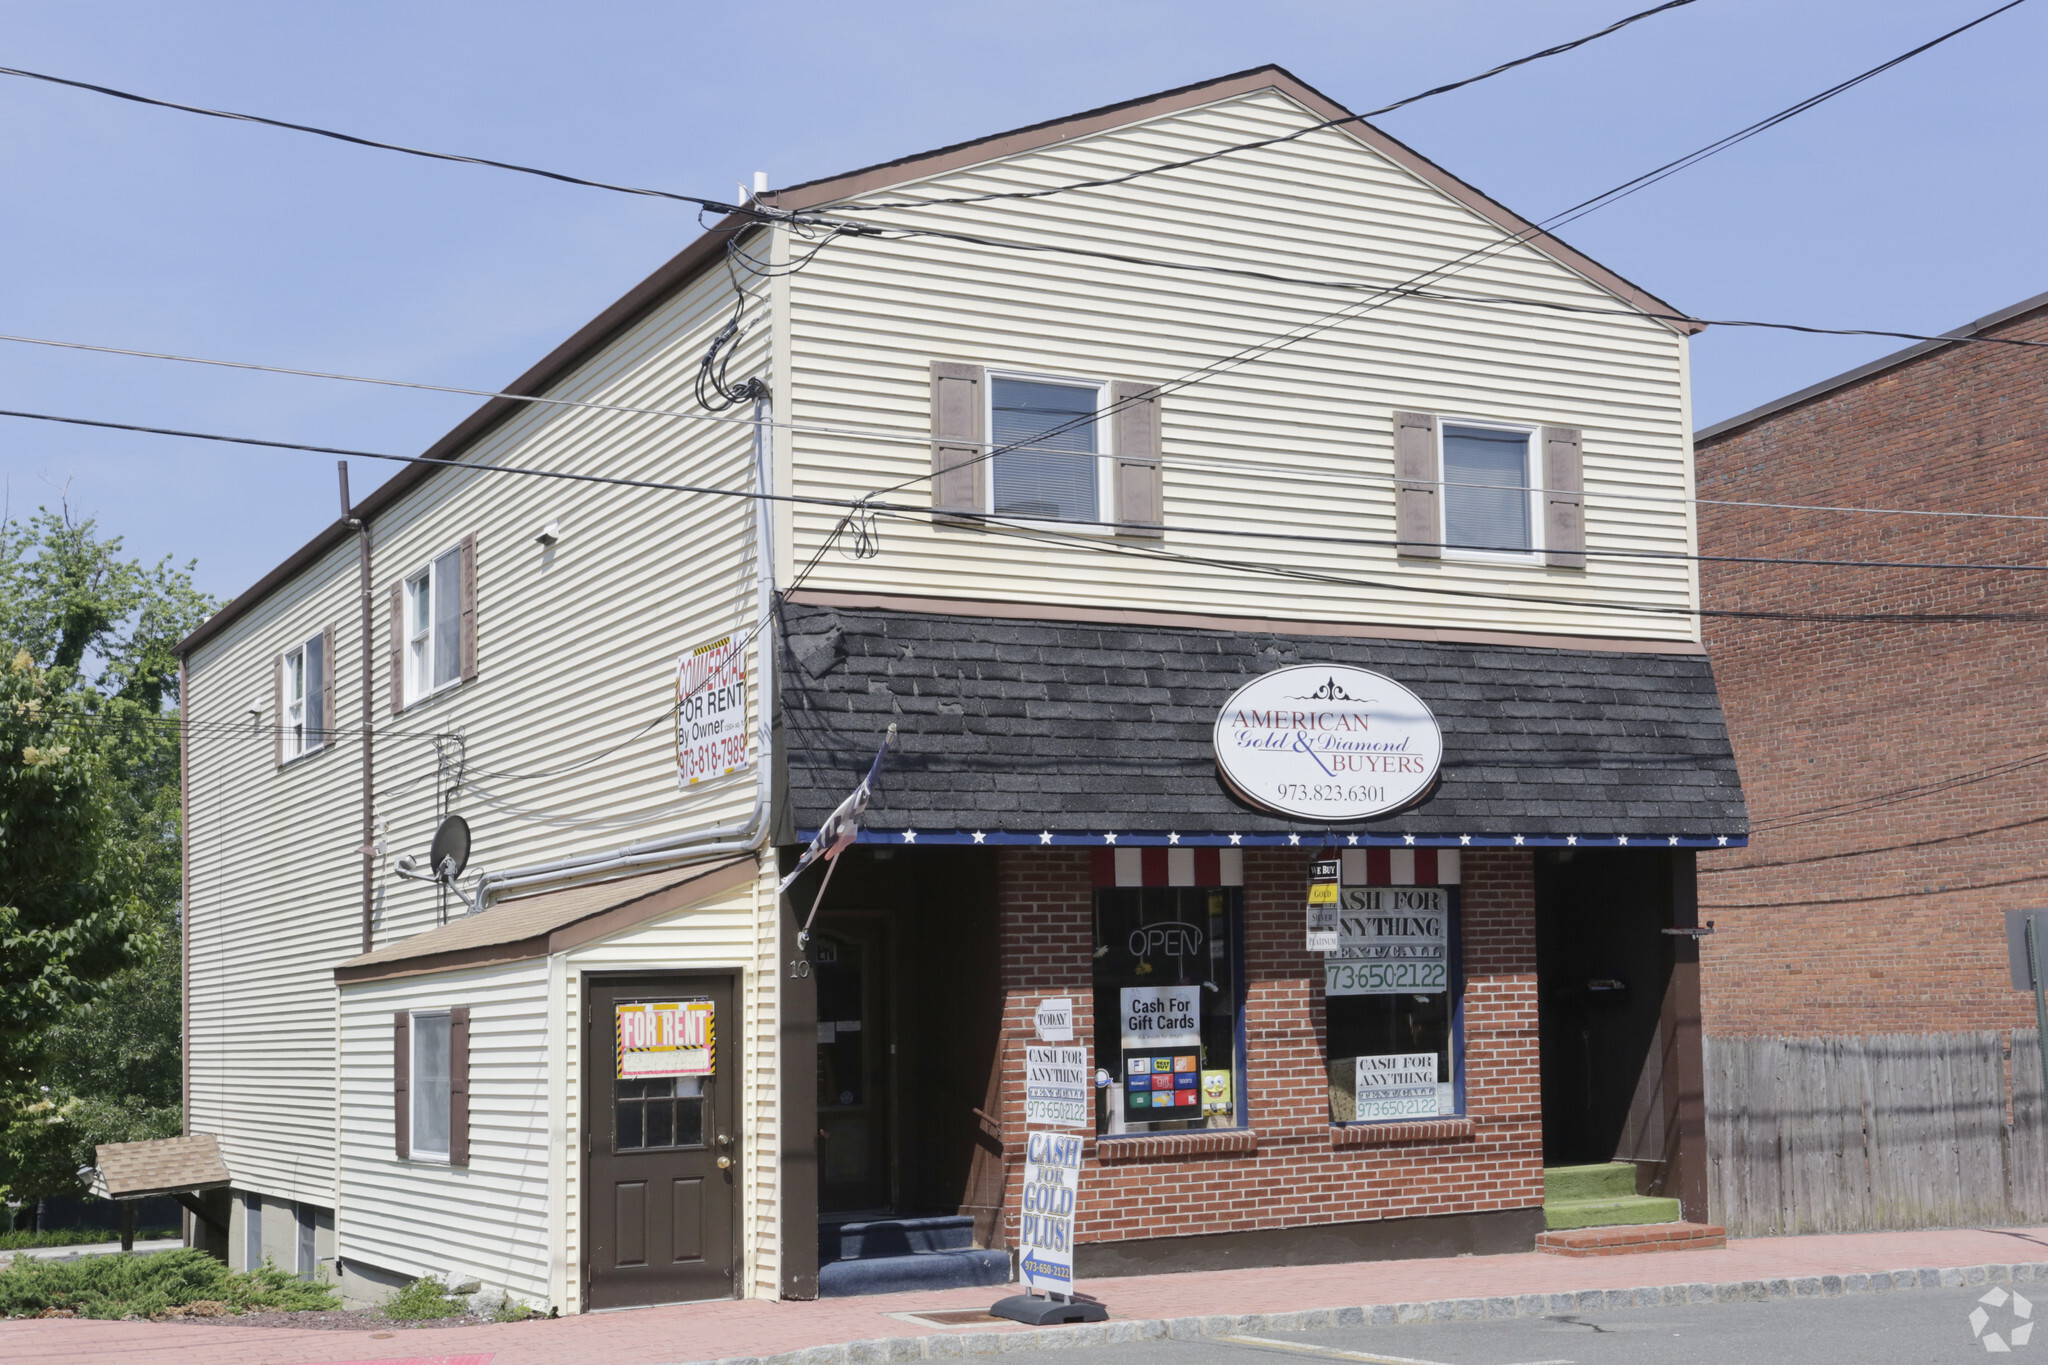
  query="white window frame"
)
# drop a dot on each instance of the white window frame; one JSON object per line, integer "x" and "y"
{"x": 1105, "y": 456}
{"x": 1532, "y": 481}
{"x": 418, "y": 657}
{"x": 417, "y": 1092}
{"x": 300, "y": 739}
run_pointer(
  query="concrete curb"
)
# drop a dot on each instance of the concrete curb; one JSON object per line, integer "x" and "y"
{"x": 961, "y": 1345}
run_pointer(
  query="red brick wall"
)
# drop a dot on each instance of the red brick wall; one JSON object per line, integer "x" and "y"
{"x": 1297, "y": 1176}
{"x": 1888, "y": 919}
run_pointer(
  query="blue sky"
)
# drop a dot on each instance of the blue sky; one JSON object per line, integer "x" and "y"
{"x": 1913, "y": 202}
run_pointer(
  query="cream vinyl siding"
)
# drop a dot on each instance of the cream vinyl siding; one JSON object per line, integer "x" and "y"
{"x": 1298, "y": 441}
{"x": 489, "y": 1219}
{"x": 734, "y": 932}
{"x": 563, "y": 744}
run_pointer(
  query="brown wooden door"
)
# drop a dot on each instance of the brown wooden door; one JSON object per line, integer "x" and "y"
{"x": 662, "y": 1165}
{"x": 849, "y": 960}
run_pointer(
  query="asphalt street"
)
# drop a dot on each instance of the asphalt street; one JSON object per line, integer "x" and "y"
{"x": 1932, "y": 1325}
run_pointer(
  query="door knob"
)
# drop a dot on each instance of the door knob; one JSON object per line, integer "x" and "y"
{"x": 724, "y": 1140}
{"x": 725, "y": 1163}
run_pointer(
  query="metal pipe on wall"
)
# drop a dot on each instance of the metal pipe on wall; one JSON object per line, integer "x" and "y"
{"x": 368, "y": 711}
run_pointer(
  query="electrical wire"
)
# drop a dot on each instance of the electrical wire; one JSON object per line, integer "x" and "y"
{"x": 1872, "y": 852}
{"x": 1554, "y": 51}
{"x": 1888, "y": 896}
{"x": 863, "y": 432}
{"x": 1897, "y": 796}
{"x": 713, "y": 205}
{"x": 858, "y": 515}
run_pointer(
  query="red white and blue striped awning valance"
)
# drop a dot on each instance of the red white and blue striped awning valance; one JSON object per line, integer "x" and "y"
{"x": 1225, "y": 867}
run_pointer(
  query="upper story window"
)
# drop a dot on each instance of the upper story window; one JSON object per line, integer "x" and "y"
{"x": 1058, "y": 474}
{"x": 433, "y": 626}
{"x": 305, "y": 697}
{"x": 1487, "y": 489}
{"x": 1086, "y": 451}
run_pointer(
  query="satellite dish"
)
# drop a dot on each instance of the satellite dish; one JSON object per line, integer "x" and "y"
{"x": 451, "y": 844}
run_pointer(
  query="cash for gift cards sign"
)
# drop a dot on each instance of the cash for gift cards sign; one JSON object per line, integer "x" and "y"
{"x": 1045, "y": 1223}
{"x": 1326, "y": 742}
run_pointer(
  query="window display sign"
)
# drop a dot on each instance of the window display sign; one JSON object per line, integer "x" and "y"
{"x": 1163, "y": 1085}
{"x": 1399, "y": 1085}
{"x": 1216, "y": 1094}
{"x": 672, "y": 1039}
{"x": 1322, "y": 905}
{"x": 711, "y": 712}
{"x": 1045, "y": 1223}
{"x": 1391, "y": 940}
{"x": 1327, "y": 742}
{"x": 1056, "y": 1086}
{"x": 1156, "y": 1016}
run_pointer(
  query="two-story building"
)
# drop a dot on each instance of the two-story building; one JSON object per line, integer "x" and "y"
{"x": 1296, "y": 504}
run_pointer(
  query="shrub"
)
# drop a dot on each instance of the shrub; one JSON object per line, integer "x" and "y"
{"x": 425, "y": 1297}
{"x": 144, "y": 1286}
{"x": 75, "y": 1237}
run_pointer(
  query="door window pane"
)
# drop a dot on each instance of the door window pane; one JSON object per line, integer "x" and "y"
{"x": 1494, "y": 514}
{"x": 1056, "y": 479}
{"x": 659, "y": 1114}
{"x": 430, "y": 1084}
{"x": 1168, "y": 1000}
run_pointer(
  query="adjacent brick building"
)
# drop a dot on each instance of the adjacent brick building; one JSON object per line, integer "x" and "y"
{"x": 1897, "y": 768}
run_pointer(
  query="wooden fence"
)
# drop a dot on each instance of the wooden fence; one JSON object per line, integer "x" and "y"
{"x": 1855, "y": 1134}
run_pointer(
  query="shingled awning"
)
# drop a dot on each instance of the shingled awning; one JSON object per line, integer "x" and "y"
{"x": 179, "y": 1165}
{"x": 1018, "y": 730}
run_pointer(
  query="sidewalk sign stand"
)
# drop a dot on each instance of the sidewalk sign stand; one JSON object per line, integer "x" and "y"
{"x": 1055, "y": 1097}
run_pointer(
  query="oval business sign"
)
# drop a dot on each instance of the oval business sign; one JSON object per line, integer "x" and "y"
{"x": 1326, "y": 742}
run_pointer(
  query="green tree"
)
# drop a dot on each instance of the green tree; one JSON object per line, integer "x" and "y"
{"x": 89, "y": 847}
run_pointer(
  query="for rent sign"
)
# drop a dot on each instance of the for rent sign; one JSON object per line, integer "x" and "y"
{"x": 1327, "y": 742}
{"x": 711, "y": 712}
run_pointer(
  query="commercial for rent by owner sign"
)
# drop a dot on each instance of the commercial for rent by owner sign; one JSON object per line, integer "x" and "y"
{"x": 711, "y": 712}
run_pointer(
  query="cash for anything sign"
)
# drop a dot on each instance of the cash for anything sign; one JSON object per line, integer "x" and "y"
{"x": 1391, "y": 940}
{"x": 1056, "y": 1085}
{"x": 1045, "y": 1223}
{"x": 1398, "y": 1085}
{"x": 672, "y": 1039}
{"x": 711, "y": 712}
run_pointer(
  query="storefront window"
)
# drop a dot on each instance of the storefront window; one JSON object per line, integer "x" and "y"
{"x": 1168, "y": 1008}
{"x": 1392, "y": 993}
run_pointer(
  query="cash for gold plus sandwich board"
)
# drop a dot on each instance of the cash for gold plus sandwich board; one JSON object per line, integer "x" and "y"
{"x": 1055, "y": 1096}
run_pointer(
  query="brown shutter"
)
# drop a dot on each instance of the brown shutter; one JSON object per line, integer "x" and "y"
{"x": 1417, "y": 472}
{"x": 1564, "y": 479}
{"x": 326, "y": 736}
{"x": 959, "y": 473}
{"x": 401, "y": 1084}
{"x": 1139, "y": 485}
{"x": 468, "y": 608}
{"x": 458, "y": 1085}
{"x": 398, "y": 648}
{"x": 277, "y": 710}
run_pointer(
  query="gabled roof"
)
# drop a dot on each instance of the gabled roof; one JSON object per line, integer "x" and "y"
{"x": 1729, "y": 425}
{"x": 813, "y": 194}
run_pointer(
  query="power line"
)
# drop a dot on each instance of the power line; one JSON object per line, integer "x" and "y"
{"x": 1872, "y": 852}
{"x": 1513, "y": 239}
{"x": 1898, "y": 796}
{"x": 713, "y": 205}
{"x": 1557, "y": 50}
{"x": 858, "y": 431}
{"x": 1888, "y": 896}
{"x": 862, "y": 506}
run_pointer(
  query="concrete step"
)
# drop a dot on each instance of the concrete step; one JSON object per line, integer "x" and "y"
{"x": 1600, "y": 1213}
{"x": 1606, "y": 1180}
{"x": 919, "y": 1270}
{"x": 870, "y": 1238}
{"x": 1631, "y": 1238}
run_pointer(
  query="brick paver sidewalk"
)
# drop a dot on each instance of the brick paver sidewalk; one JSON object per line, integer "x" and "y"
{"x": 646, "y": 1336}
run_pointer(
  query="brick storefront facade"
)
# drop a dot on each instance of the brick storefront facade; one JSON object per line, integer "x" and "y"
{"x": 1293, "y": 1168}
{"x": 1888, "y": 765}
